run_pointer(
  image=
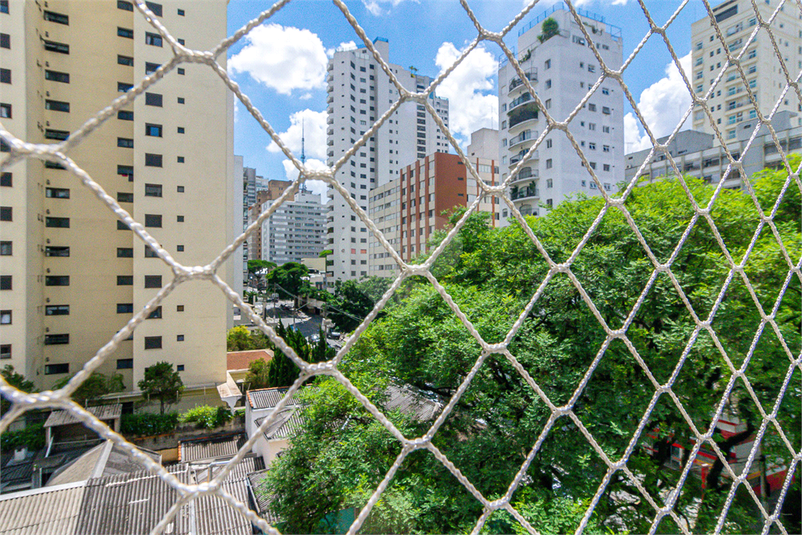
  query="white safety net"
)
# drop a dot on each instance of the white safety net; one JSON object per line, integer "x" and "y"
{"x": 663, "y": 505}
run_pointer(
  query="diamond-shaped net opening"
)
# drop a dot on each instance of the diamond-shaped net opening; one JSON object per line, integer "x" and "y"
{"x": 607, "y": 367}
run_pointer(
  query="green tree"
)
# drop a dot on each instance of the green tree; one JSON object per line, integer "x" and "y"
{"x": 549, "y": 29}
{"x": 492, "y": 275}
{"x": 289, "y": 279}
{"x": 18, "y": 381}
{"x": 162, "y": 382}
{"x": 282, "y": 371}
{"x": 241, "y": 338}
{"x": 260, "y": 268}
{"x": 94, "y": 387}
{"x": 258, "y": 374}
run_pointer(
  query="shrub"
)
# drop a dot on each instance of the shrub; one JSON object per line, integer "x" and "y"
{"x": 31, "y": 437}
{"x": 207, "y": 417}
{"x": 147, "y": 423}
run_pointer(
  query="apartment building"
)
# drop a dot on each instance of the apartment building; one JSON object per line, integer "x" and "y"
{"x": 561, "y": 67}
{"x": 410, "y": 208}
{"x": 699, "y": 154}
{"x": 359, "y": 92}
{"x": 72, "y": 274}
{"x": 296, "y": 230}
{"x": 729, "y": 100}
{"x": 274, "y": 189}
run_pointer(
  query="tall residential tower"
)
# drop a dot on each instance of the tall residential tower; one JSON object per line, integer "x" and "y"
{"x": 71, "y": 273}
{"x": 560, "y": 65}
{"x": 359, "y": 92}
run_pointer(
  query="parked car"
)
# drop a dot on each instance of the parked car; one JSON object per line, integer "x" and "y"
{"x": 334, "y": 335}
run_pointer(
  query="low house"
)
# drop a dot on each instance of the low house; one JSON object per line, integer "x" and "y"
{"x": 260, "y": 405}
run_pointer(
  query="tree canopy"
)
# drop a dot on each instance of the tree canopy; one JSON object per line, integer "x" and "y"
{"x": 353, "y": 301}
{"x": 18, "y": 381}
{"x": 94, "y": 387}
{"x": 162, "y": 382}
{"x": 341, "y": 453}
{"x": 290, "y": 279}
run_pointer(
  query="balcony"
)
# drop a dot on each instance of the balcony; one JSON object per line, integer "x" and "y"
{"x": 526, "y": 135}
{"x": 517, "y": 83}
{"x": 530, "y": 191}
{"x": 330, "y": 99}
{"x": 526, "y": 173}
{"x": 330, "y": 120}
{"x": 521, "y": 155}
{"x": 526, "y": 112}
{"x": 526, "y": 97}
{"x": 330, "y": 131}
{"x": 330, "y": 78}
{"x": 330, "y": 110}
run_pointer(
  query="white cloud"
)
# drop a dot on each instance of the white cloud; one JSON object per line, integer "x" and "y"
{"x": 662, "y": 106}
{"x": 375, "y": 6}
{"x": 282, "y": 58}
{"x": 315, "y": 186}
{"x": 469, "y": 88}
{"x": 349, "y": 45}
{"x": 313, "y": 125}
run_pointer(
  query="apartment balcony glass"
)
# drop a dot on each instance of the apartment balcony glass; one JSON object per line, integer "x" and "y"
{"x": 526, "y": 97}
{"x": 526, "y": 112}
{"x": 526, "y": 135}
{"x": 525, "y": 174}
{"x": 517, "y": 83}
{"x": 527, "y": 192}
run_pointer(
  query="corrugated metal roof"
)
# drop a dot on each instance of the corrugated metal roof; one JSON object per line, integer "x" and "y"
{"x": 101, "y": 412}
{"x": 411, "y": 403}
{"x": 262, "y": 497}
{"x": 288, "y": 421}
{"x": 267, "y": 398}
{"x": 210, "y": 448}
{"x": 46, "y": 511}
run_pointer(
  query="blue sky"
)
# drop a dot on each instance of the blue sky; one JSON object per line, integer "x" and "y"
{"x": 281, "y": 65}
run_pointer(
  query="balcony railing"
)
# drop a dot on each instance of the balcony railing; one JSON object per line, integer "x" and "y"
{"x": 521, "y": 155}
{"x": 523, "y": 113}
{"x": 524, "y": 193}
{"x": 526, "y": 173}
{"x": 523, "y": 136}
{"x": 526, "y": 97}
{"x": 516, "y": 82}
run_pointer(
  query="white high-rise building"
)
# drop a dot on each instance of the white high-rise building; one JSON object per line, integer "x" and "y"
{"x": 730, "y": 104}
{"x": 562, "y": 68}
{"x": 295, "y": 231}
{"x": 359, "y": 92}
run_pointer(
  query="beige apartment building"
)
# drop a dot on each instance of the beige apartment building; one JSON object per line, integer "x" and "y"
{"x": 729, "y": 100}
{"x": 71, "y": 274}
{"x": 410, "y": 208}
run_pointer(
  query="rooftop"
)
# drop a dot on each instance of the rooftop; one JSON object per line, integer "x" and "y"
{"x": 240, "y": 360}
{"x": 210, "y": 448}
{"x": 101, "y": 412}
{"x": 267, "y": 398}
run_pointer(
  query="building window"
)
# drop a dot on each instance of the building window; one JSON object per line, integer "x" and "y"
{"x": 128, "y": 61}
{"x": 125, "y": 115}
{"x": 180, "y": 367}
{"x": 125, "y": 364}
{"x": 179, "y": 219}
{"x": 125, "y": 197}
{"x": 153, "y": 220}
{"x": 5, "y": 317}
{"x": 125, "y": 252}
{"x": 179, "y": 338}
{"x": 54, "y": 251}
{"x": 125, "y": 32}
{"x": 125, "y": 280}
{"x": 123, "y": 87}
{"x": 156, "y": 314}
{"x": 5, "y": 351}
{"x": 6, "y": 213}
{"x": 56, "y": 105}
{"x": 548, "y": 163}
{"x": 151, "y": 67}
{"x": 56, "y": 339}
{"x": 56, "y": 369}
{"x": 181, "y": 71}
{"x": 153, "y": 160}
{"x": 5, "y": 41}
{"x": 153, "y": 342}
{"x": 179, "y": 308}
{"x": 153, "y": 130}
{"x": 6, "y": 179}
{"x": 180, "y": 189}
{"x": 6, "y": 248}
{"x": 125, "y": 5}
{"x": 180, "y": 100}
{"x": 605, "y": 110}
{"x": 180, "y": 159}
{"x": 153, "y": 99}
{"x": 58, "y": 135}
{"x": 180, "y": 12}
{"x": 60, "y": 48}
{"x": 180, "y": 129}
{"x": 153, "y": 39}
{"x": 57, "y": 280}
{"x": 153, "y": 281}
{"x": 125, "y": 142}
{"x": 125, "y": 308}
{"x": 5, "y": 282}
{"x": 53, "y": 76}
{"x": 150, "y": 253}
{"x": 57, "y": 310}
{"x": 126, "y": 171}
{"x": 155, "y": 8}
{"x": 5, "y": 76}
{"x": 153, "y": 190}
{"x": 5, "y": 111}
{"x": 179, "y": 248}
{"x": 57, "y": 193}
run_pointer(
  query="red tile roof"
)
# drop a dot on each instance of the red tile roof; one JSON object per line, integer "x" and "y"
{"x": 239, "y": 360}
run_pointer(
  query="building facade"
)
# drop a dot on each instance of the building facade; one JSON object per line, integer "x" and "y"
{"x": 729, "y": 102}
{"x": 359, "y": 92}
{"x": 296, "y": 230}
{"x": 274, "y": 189}
{"x": 561, "y": 67}
{"x": 410, "y": 208}
{"x": 73, "y": 274}
{"x": 699, "y": 154}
